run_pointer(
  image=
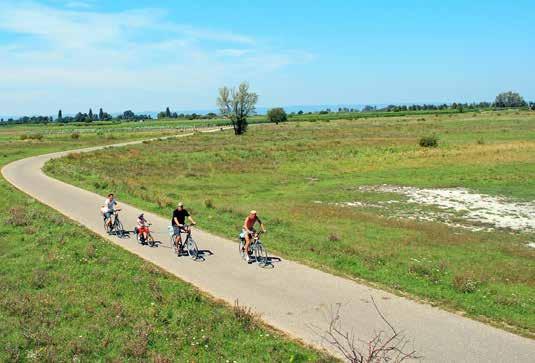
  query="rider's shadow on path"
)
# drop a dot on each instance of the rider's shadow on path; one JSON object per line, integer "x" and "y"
{"x": 270, "y": 263}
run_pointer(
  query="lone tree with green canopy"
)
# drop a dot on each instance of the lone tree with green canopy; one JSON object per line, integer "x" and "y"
{"x": 237, "y": 105}
{"x": 509, "y": 99}
{"x": 277, "y": 115}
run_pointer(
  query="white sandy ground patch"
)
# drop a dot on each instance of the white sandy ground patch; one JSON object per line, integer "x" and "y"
{"x": 457, "y": 207}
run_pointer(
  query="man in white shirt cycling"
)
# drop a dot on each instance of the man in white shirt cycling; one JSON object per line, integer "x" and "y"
{"x": 109, "y": 208}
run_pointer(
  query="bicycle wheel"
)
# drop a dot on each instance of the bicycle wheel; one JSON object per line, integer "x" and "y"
{"x": 241, "y": 246}
{"x": 261, "y": 255}
{"x": 119, "y": 229}
{"x": 150, "y": 240}
{"x": 193, "y": 251}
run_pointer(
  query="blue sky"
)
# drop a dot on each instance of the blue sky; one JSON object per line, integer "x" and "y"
{"x": 145, "y": 55}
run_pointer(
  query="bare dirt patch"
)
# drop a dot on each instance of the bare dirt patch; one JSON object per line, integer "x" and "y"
{"x": 456, "y": 207}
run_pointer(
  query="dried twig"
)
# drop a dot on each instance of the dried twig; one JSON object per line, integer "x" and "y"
{"x": 382, "y": 347}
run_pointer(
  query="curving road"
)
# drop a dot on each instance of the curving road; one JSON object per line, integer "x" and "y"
{"x": 291, "y": 297}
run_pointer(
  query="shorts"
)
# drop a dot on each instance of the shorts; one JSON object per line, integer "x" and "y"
{"x": 177, "y": 230}
{"x": 141, "y": 230}
{"x": 244, "y": 231}
{"x": 107, "y": 215}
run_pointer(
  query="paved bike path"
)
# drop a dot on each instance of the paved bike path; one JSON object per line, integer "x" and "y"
{"x": 291, "y": 297}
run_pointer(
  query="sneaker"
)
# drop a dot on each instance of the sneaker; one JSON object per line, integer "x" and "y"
{"x": 249, "y": 259}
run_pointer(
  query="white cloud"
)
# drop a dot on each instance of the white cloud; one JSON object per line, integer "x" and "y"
{"x": 81, "y": 57}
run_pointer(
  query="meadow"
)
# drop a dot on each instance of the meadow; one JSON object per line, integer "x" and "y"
{"x": 297, "y": 175}
{"x": 68, "y": 295}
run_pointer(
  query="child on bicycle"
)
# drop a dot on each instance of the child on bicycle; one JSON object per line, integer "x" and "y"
{"x": 142, "y": 228}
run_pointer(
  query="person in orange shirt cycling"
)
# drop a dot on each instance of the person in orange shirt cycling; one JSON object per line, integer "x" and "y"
{"x": 248, "y": 230}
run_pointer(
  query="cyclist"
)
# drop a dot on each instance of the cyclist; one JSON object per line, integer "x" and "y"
{"x": 179, "y": 223}
{"x": 142, "y": 228}
{"x": 248, "y": 230}
{"x": 109, "y": 208}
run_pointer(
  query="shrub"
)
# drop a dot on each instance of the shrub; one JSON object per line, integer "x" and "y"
{"x": 277, "y": 115}
{"x": 209, "y": 203}
{"x": 333, "y": 237}
{"x": 75, "y": 135}
{"x": 246, "y": 316}
{"x": 429, "y": 141}
{"x": 91, "y": 251}
{"x": 18, "y": 217}
{"x": 465, "y": 284}
{"x": 34, "y": 136}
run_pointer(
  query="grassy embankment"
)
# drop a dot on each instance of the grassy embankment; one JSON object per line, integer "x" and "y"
{"x": 68, "y": 295}
{"x": 283, "y": 170}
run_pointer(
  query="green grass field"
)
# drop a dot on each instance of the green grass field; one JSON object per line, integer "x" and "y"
{"x": 284, "y": 171}
{"x": 68, "y": 295}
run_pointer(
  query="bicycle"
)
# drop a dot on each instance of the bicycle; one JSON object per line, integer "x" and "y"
{"x": 116, "y": 226}
{"x": 188, "y": 242}
{"x": 150, "y": 240}
{"x": 257, "y": 249}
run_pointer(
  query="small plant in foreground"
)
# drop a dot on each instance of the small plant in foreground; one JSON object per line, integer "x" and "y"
{"x": 245, "y": 315}
{"x": 384, "y": 346}
{"x": 465, "y": 284}
{"x": 17, "y": 217}
{"x": 428, "y": 141}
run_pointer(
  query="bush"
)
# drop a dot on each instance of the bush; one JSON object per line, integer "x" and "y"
{"x": 34, "y": 136}
{"x": 75, "y": 135}
{"x": 245, "y": 315}
{"x": 209, "y": 203}
{"x": 465, "y": 284}
{"x": 429, "y": 141}
{"x": 18, "y": 217}
{"x": 333, "y": 237}
{"x": 277, "y": 115}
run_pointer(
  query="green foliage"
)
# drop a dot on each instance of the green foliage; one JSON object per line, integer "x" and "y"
{"x": 465, "y": 284}
{"x": 428, "y": 141}
{"x": 277, "y": 115}
{"x": 237, "y": 105}
{"x": 32, "y": 136}
{"x": 509, "y": 99}
{"x": 283, "y": 171}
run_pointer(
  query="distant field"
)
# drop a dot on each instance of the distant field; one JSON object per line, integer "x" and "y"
{"x": 114, "y": 127}
{"x": 298, "y": 175}
{"x": 67, "y": 295}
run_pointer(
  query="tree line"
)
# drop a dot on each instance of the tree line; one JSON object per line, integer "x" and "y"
{"x": 186, "y": 116}
{"x": 86, "y": 117}
{"x": 237, "y": 104}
